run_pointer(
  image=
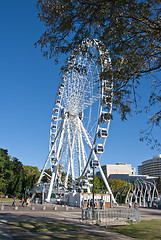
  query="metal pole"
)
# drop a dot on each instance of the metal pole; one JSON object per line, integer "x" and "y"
{"x": 93, "y": 195}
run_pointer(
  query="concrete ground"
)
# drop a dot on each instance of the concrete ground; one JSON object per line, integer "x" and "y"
{"x": 58, "y": 212}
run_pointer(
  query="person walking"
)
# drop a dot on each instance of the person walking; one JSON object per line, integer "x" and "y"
{"x": 101, "y": 204}
{"x": 23, "y": 201}
{"x": 14, "y": 200}
{"x": 88, "y": 203}
{"x": 135, "y": 206}
{"x": 28, "y": 202}
{"x": 130, "y": 205}
{"x": 82, "y": 203}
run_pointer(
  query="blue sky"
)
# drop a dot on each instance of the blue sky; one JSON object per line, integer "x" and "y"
{"x": 28, "y": 84}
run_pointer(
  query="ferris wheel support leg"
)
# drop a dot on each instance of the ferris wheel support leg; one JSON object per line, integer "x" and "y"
{"x": 59, "y": 148}
{"x": 46, "y": 162}
{"x": 82, "y": 147}
{"x": 71, "y": 144}
{"x": 89, "y": 144}
{"x": 107, "y": 185}
{"x": 79, "y": 153}
{"x": 51, "y": 187}
{"x": 55, "y": 167}
{"x": 67, "y": 175}
{"x": 42, "y": 172}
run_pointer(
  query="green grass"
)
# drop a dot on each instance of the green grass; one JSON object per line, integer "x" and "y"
{"x": 10, "y": 200}
{"x": 149, "y": 229}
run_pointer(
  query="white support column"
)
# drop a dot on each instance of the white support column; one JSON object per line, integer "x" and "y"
{"x": 144, "y": 195}
{"x": 44, "y": 167}
{"x": 103, "y": 176}
{"x": 82, "y": 146}
{"x": 137, "y": 192}
{"x": 67, "y": 175}
{"x": 79, "y": 153}
{"x": 90, "y": 145}
{"x": 154, "y": 187}
{"x": 50, "y": 187}
{"x": 106, "y": 183}
{"x": 70, "y": 144}
{"x": 54, "y": 171}
{"x": 59, "y": 148}
{"x": 86, "y": 135}
{"x": 149, "y": 193}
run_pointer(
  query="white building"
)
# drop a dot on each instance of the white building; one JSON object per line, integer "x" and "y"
{"x": 123, "y": 171}
{"x": 151, "y": 167}
{"x": 119, "y": 168}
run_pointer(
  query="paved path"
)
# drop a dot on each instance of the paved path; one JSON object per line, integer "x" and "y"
{"x": 57, "y": 212}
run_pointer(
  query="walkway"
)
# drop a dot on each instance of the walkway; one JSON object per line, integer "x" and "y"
{"x": 57, "y": 212}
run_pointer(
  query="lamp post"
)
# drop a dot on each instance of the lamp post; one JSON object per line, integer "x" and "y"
{"x": 93, "y": 164}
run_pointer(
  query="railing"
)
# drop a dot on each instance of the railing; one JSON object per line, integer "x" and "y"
{"x": 112, "y": 216}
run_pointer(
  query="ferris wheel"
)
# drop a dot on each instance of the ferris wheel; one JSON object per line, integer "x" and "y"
{"x": 81, "y": 116}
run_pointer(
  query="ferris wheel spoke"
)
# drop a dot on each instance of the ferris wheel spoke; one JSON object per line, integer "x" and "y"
{"x": 85, "y": 85}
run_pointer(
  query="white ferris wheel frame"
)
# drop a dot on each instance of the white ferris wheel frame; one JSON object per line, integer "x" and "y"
{"x": 80, "y": 132}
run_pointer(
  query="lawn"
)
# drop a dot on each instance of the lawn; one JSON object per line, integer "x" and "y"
{"x": 49, "y": 230}
{"x": 10, "y": 200}
{"x": 149, "y": 229}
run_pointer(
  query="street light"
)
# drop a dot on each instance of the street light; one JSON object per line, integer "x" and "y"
{"x": 93, "y": 164}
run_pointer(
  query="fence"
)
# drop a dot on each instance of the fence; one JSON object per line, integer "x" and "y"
{"x": 112, "y": 216}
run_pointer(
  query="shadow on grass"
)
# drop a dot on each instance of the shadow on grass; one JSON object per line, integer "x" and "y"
{"x": 41, "y": 226}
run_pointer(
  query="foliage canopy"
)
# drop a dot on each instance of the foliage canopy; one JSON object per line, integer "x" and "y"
{"x": 14, "y": 176}
{"x": 130, "y": 30}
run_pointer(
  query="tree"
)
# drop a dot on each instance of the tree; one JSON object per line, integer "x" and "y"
{"x": 30, "y": 176}
{"x": 15, "y": 180}
{"x": 45, "y": 178}
{"x": 119, "y": 189}
{"x": 14, "y": 177}
{"x": 5, "y": 170}
{"x": 130, "y": 30}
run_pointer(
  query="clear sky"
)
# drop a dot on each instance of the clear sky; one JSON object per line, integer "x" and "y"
{"x": 28, "y": 84}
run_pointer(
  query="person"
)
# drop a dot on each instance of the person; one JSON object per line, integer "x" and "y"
{"x": 101, "y": 204}
{"x": 28, "y": 201}
{"x": 82, "y": 203}
{"x": 135, "y": 206}
{"x": 88, "y": 203}
{"x": 14, "y": 200}
{"x": 23, "y": 201}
